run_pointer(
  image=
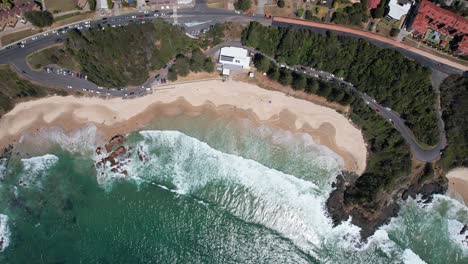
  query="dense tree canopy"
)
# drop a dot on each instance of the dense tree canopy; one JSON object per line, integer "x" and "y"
{"x": 389, "y": 157}
{"x": 243, "y": 5}
{"x": 124, "y": 55}
{"x": 454, "y": 102}
{"x": 384, "y": 74}
{"x": 40, "y": 18}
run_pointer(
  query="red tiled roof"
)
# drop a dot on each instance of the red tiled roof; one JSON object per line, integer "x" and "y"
{"x": 463, "y": 45}
{"x": 373, "y": 3}
{"x": 444, "y": 21}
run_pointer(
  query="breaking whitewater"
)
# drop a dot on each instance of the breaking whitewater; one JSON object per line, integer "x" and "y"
{"x": 199, "y": 190}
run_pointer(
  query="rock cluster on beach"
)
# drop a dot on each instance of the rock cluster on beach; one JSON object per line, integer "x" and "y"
{"x": 115, "y": 157}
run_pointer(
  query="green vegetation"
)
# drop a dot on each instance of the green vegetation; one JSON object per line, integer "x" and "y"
{"x": 381, "y": 10}
{"x": 183, "y": 65}
{"x": 394, "y": 32}
{"x": 389, "y": 157}
{"x": 110, "y": 4}
{"x": 7, "y": 3}
{"x": 384, "y": 74}
{"x": 281, "y": 3}
{"x": 12, "y": 89}
{"x": 92, "y": 5}
{"x": 351, "y": 15}
{"x": 67, "y": 16}
{"x": 214, "y": 36}
{"x": 53, "y": 55}
{"x": 243, "y": 5}
{"x": 454, "y": 102}
{"x": 300, "y": 12}
{"x": 124, "y": 55}
{"x": 39, "y": 18}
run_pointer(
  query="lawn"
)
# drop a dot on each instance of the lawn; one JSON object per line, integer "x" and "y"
{"x": 73, "y": 19}
{"x": 53, "y": 55}
{"x": 57, "y": 6}
{"x": 10, "y": 38}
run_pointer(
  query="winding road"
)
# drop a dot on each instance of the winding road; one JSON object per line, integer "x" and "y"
{"x": 199, "y": 17}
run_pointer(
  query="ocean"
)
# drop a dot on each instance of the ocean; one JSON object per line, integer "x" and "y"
{"x": 202, "y": 189}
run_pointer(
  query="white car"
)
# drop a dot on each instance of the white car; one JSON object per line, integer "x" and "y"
{"x": 133, "y": 16}
{"x": 98, "y": 92}
{"x": 148, "y": 89}
{"x": 69, "y": 87}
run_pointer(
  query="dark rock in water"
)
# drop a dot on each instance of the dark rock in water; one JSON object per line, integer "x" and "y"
{"x": 370, "y": 214}
{"x": 464, "y": 229}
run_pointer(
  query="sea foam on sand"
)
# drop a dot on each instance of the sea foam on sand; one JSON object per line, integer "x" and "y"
{"x": 4, "y": 232}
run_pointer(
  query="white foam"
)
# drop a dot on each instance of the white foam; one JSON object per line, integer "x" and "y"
{"x": 35, "y": 168}
{"x": 255, "y": 193}
{"x": 4, "y": 232}
{"x": 409, "y": 257}
{"x": 83, "y": 140}
{"x": 3, "y": 168}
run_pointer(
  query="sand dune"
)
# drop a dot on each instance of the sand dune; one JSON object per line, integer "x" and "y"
{"x": 326, "y": 126}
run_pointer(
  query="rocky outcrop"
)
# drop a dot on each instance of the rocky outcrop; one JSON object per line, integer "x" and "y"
{"x": 370, "y": 215}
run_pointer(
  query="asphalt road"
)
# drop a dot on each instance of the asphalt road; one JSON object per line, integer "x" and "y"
{"x": 194, "y": 19}
{"x": 388, "y": 114}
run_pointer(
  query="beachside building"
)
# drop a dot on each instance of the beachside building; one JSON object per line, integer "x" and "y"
{"x": 371, "y": 4}
{"x": 234, "y": 59}
{"x": 399, "y": 8}
{"x": 441, "y": 28}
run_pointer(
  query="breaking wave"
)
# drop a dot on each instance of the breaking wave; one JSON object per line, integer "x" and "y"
{"x": 34, "y": 169}
{"x": 4, "y": 232}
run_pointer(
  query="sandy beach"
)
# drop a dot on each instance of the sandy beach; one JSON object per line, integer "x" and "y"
{"x": 458, "y": 183}
{"x": 118, "y": 115}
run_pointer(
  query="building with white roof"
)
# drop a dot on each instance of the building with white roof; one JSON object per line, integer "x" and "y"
{"x": 398, "y": 8}
{"x": 234, "y": 58}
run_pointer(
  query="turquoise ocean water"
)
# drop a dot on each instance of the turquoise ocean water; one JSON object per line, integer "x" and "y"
{"x": 211, "y": 190}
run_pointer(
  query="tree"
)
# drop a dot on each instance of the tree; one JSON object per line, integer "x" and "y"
{"x": 281, "y": 3}
{"x": 7, "y": 4}
{"x": 299, "y": 81}
{"x": 261, "y": 63}
{"x": 243, "y": 5}
{"x": 110, "y": 4}
{"x": 273, "y": 73}
{"x": 172, "y": 75}
{"x": 208, "y": 65}
{"x": 300, "y": 12}
{"x": 40, "y": 18}
{"x": 394, "y": 32}
{"x": 92, "y": 5}
{"x": 197, "y": 61}
{"x": 182, "y": 65}
{"x": 285, "y": 77}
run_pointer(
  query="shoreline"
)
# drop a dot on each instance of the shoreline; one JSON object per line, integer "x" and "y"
{"x": 233, "y": 99}
{"x": 458, "y": 184}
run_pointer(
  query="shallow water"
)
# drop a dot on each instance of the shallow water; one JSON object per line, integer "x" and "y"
{"x": 213, "y": 190}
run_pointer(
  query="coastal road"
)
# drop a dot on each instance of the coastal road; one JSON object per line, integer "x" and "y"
{"x": 194, "y": 19}
{"x": 425, "y": 58}
{"x": 420, "y": 153}
{"x": 16, "y": 56}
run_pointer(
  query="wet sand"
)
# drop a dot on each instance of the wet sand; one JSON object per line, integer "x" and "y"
{"x": 232, "y": 99}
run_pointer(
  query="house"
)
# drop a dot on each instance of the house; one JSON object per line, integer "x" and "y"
{"x": 234, "y": 58}
{"x": 399, "y": 8}
{"x": 437, "y": 26}
{"x": 10, "y": 17}
{"x": 371, "y": 4}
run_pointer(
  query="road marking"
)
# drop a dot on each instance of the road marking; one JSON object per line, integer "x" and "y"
{"x": 174, "y": 14}
{"x": 193, "y": 24}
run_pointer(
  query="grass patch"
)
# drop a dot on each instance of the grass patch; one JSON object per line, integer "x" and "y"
{"x": 60, "y": 5}
{"x": 14, "y": 89}
{"x": 10, "y": 38}
{"x": 53, "y": 55}
{"x": 73, "y": 19}
{"x": 66, "y": 16}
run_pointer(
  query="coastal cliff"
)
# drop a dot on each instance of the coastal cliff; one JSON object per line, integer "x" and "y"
{"x": 370, "y": 215}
